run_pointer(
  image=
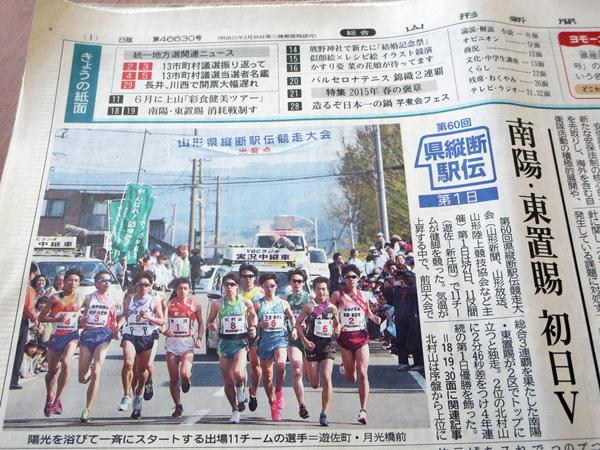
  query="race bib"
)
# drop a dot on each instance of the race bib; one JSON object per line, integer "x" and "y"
{"x": 353, "y": 319}
{"x": 96, "y": 318}
{"x": 68, "y": 321}
{"x": 274, "y": 322}
{"x": 233, "y": 325}
{"x": 324, "y": 328}
{"x": 180, "y": 326}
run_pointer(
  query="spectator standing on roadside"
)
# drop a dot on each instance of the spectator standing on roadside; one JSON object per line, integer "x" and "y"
{"x": 355, "y": 259}
{"x": 378, "y": 259}
{"x": 370, "y": 262}
{"x": 196, "y": 263}
{"x": 380, "y": 241}
{"x": 408, "y": 330}
{"x": 29, "y": 314}
{"x": 154, "y": 253}
{"x": 57, "y": 286}
{"x": 181, "y": 264}
{"x": 120, "y": 269}
{"x": 40, "y": 284}
{"x": 162, "y": 273}
{"x": 335, "y": 272}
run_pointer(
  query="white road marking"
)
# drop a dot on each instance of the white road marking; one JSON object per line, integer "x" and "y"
{"x": 195, "y": 417}
{"x": 219, "y": 392}
{"x": 418, "y": 378}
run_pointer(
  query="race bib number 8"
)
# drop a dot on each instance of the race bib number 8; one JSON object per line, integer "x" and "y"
{"x": 233, "y": 325}
{"x": 353, "y": 319}
{"x": 324, "y": 328}
{"x": 180, "y": 326}
{"x": 274, "y": 322}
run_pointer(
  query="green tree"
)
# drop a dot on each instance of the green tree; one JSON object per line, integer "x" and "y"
{"x": 359, "y": 184}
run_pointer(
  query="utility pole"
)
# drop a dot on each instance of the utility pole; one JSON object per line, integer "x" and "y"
{"x": 174, "y": 205}
{"x": 334, "y": 240}
{"x": 201, "y": 214}
{"x": 146, "y": 132}
{"x": 217, "y": 215}
{"x": 192, "y": 206}
{"x": 383, "y": 216}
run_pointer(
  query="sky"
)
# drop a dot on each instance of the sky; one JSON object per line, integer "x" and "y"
{"x": 293, "y": 178}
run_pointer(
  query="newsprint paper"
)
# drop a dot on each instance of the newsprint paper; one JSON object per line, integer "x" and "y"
{"x": 454, "y": 145}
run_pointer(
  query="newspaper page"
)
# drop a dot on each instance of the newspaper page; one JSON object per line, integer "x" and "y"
{"x": 409, "y": 191}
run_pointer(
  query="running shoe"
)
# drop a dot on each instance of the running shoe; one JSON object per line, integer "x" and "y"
{"x": 185, "y": 385}
{"x": 279, "y": 399}
{"x": 253, "y": 404}
{"x": 57, "y": 407}
{"x": 342, "y": 370}
{"x": 48, "y": 409}
{"x": 148, "y": 390}
{"x": 137, "y": 407}
{"x": 124, "y": 404}
{"x": 303, "y": 411}
{"x": 323, "y": 420}
{"x": 403, "y": 367}
{"x": 178, "y": 411}
{"x": 240, "y": 397}
{"x": 362, "y": 417}
{"x": 85, "y": 415}
{"x": 275, "y": 412}
{"x": 235, "y": 417}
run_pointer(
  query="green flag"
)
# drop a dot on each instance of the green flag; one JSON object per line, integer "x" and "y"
{"x": 129, "y": 222}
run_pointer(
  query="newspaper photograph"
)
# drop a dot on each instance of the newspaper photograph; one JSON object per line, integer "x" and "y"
{"x": 304, "y": 225}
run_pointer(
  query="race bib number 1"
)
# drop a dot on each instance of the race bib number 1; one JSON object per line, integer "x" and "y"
{"x": 180, "y": 326}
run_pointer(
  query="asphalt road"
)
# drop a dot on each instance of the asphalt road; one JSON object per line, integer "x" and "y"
{"x": 398, "y": 400}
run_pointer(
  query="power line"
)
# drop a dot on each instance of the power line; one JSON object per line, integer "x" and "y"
{"x": 248, "y": 181}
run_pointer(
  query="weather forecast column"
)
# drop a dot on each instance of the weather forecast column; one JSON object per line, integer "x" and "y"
{"x": 121, "y": 84}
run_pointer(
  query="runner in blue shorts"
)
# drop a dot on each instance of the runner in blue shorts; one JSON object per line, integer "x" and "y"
{"x": 62, "y": 311}
{"x": 248, "y": 276}
{"x": 99, "y": 317}
{"x": 142, "y": 318}
{"x": 273, "y": 341}
{"x": 237, "y": 323}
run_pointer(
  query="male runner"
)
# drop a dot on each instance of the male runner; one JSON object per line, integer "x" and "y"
{"x": 353, "y": 308}
{"x": 62, "y": 310}
{"x": 182, "y": 312}
{"x": 273, "y": 341}
{"x": 237, "y": 323}
{"x": 248, "y": 290}
{"x": 297, "y": 299}
{"x": 142, "y": 318}
{"x": 99, "y": 328}
{"x": 316, "y": 324}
